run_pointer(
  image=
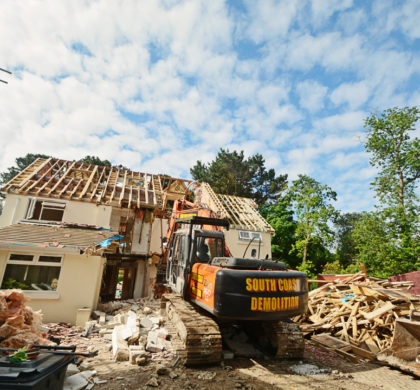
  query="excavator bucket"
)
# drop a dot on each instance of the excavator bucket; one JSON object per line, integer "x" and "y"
{"x": 404, "y": 352}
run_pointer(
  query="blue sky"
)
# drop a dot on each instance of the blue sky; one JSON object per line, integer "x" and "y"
{"x": 157, "y": 85}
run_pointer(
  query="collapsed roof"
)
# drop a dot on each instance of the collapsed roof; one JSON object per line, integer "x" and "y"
{"x": 58, "y": 236}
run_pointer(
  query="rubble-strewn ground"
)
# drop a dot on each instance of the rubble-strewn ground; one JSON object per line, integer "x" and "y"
{"x": 318, "y": 370}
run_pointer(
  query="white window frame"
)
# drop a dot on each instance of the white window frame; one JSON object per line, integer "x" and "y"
{"x": 41, "y": 294}
{"x": 245, "y": 235}
{"x": 45, "y": 204}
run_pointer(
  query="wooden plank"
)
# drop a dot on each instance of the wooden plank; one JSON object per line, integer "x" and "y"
{"x": 89, "y": 181}
{"x": 355, "y": 309}
{"x": 117, "y": 174}
{"x": 348, "y": 356}
{"x": 345, "y": 334}
{"x": 60, "y": 180}
{"x": 52, "y": 176}
{"x": 388, "y": 306}
{"x": 363, "y": 352}
{"x": 75, "y": 188}
{"x": 98, "y": 183}
{"x": 130, "y": 197}
{"x": 26, "y": 172}
{"x": 146, "y": 189}
{"x": 41, "y": 178}
{"x": 65, "y": 188}
{"x": 123, "y": 189}
{"x": 104, "y": 190}
{"x": 354, "y": 327}
{"x": 371, "y": 344}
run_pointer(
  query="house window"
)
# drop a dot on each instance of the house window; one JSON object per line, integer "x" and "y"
{"x": 42, "y": 210}
{"x": 32, "y": 272}
{"x": 244, "y": 235}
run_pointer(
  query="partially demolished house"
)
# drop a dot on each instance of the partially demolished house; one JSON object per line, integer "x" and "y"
{"x": 249, "y": 234}
{"x": 74, "y": 234}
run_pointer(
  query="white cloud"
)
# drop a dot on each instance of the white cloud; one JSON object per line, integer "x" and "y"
{"x": 311, "y": 95}
{"x": 323, "y": 9}
{"x": 352, "y": 20}
{"x": 403, "y": 18}
{"x": 158, "y": 85}
{"x": 271, "y": 19}
{"x": 347, "y": 122}
{"x": 348, "y": 160}
{"x": 354, "y": 94}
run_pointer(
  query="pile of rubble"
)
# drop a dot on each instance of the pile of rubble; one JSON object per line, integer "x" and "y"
{"x": 134, "y": 328}
{"x": 358, "y": 311}
{"x": 19, "y": 325}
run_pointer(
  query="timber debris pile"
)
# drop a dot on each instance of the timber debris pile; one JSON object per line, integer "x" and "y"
{"x": 357, "y": 314}
{"x": 18, "y": 322}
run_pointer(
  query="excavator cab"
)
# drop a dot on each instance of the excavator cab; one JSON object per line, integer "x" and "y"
{"x": 192, "y": 244}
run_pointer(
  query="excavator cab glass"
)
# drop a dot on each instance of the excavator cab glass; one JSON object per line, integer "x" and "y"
{"x": 207, "y": 248}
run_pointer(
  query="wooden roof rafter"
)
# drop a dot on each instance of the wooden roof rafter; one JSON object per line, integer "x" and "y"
{"x": 102, "y": 194}
{"x": 116, "y": 176}
{"x": 89, "y": 182}
{"x": 123, "y": 189}
{"x": 37, "y": 165}
{"x": 93, "y": 193}
{"x": 80, "y": 181}
{"x": 52, "y": 178}
{"x": 63, "y": 176}
{"x": 43, "y": 175}
{"x": 244, "y": 214}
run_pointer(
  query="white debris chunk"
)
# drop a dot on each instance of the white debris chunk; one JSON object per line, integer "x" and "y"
{"x": 72, "y": 369}
{"x": 308, "y": 369}
{"x": 119, "y": 345}
{"x": 75, "y": 382}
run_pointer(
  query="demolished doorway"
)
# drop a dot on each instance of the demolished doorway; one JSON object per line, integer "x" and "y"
{"x": 123, "y": 277}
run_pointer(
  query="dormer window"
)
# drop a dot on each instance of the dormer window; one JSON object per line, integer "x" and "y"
{"x": 245, "y": 235}
{"x": 43, "y": 210}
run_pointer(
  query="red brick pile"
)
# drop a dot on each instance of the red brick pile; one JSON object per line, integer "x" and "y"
{"x": 19, "y": 325}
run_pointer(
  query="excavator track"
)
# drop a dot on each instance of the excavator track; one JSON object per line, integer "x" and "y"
{"x": 197, "y": 340}
{"x": 195, "y": 335}
{"x": 286, "y": 339}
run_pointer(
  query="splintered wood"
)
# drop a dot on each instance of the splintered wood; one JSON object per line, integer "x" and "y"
{"x": 358, "y": 311}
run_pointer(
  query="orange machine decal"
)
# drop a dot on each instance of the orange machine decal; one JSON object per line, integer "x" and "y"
{"x": 202, "y": 283}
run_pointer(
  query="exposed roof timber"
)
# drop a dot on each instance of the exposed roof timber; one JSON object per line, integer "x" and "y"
{"x": 87, "y": 185}
{"x": 66, "y": 169}
{"x": 243, "y": 213}
{"x": 62, "y": 179}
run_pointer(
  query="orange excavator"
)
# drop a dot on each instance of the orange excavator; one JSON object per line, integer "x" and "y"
{"x": 212, "y": 291}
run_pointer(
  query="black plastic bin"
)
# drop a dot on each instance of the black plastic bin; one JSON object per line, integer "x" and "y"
{"x": 45, "y": 372}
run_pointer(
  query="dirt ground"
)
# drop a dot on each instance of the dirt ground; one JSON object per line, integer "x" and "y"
{"x": 331, "y": 371}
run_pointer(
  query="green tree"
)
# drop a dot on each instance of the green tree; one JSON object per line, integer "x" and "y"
{"x": 378, "y": 249}
{"x": 388, "y": 239}
{"x": 232, "y": 174}
{"x": 104, "y": 163}
{"x": 21, "y": 163}
{"x": 346, "y": 251}
{"x": 280, "y": 216}
{"x": 313, "y": 210}
{"x": 95, "y": 161}
{"x": 395, "y": 154}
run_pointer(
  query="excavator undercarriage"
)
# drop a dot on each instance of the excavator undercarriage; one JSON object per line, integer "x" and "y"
{"x": 198, "y": 338}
